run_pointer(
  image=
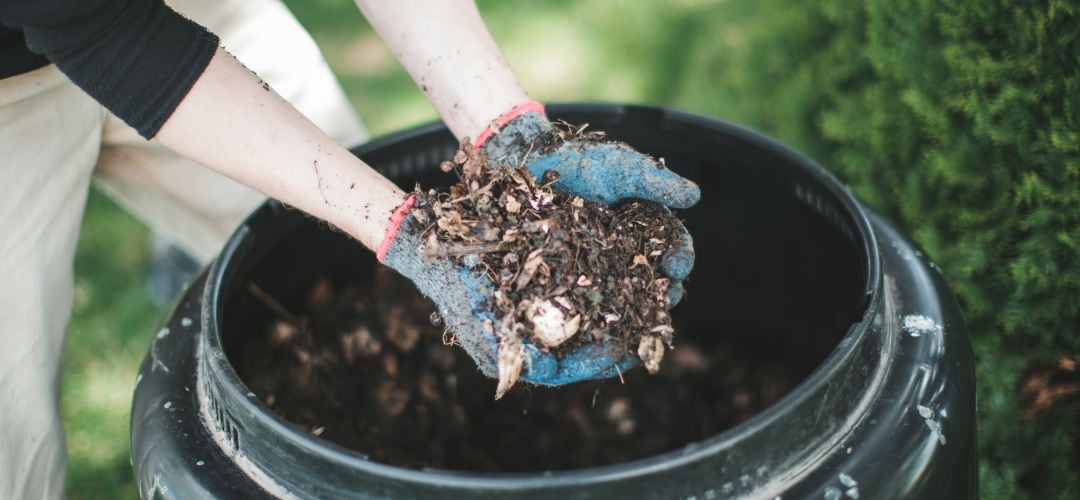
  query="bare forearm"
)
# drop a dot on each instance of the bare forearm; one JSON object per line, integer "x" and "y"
{"x": 450, "y": 54}
{"x": 235, "y": 124}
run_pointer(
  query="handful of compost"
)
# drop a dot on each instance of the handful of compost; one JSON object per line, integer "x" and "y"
{"x": 566, "y": 271}
{"x": 550, "y": 275}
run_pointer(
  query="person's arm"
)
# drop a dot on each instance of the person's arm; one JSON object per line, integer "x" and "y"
{"x": 448, "y": 51}
{"x": 166, "y": 76}
{"x": 452, "y": 57}
{"x": 235, "y": 124}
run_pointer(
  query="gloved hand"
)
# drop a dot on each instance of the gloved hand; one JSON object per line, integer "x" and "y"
{"x": 463, "y": 297}
{"x": 604, "y": 172}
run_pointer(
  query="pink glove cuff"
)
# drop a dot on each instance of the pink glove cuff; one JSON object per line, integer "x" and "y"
{"x": 516, "y": 111}
{"x": 395, "y": 225}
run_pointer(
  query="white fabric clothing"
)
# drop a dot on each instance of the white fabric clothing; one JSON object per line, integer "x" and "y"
{"x": 53, "y": 140}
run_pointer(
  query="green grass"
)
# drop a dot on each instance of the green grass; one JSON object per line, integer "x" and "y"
{"x": 111, "y": 327}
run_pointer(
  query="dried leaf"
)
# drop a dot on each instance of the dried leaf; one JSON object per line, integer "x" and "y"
{"x": 651, "y": 352}
{"x": 391, "y": 399}
{"x": 510, "y": 235}
{"x": 451, "y": 223}
{"x": 360, "y": 342}
{"x": 486, "y": 232}
{"x": 543, "y": 199}
{"x": 511, "y": 357}
{"x": 523, "y": 181}
{"x": 470, "y": 169}
{"x": 512, "y": 204}
{"x": 282, "y": 332}
{"x": 528, "y": 270}
{"x": 666, "y": 332}
{"x": 456, "y": 191}
{"x": 618, "y": 413}
{"x": 420, "y": 215}
{"x": 542, "y": 225}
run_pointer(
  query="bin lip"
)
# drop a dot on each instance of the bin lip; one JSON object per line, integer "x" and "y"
{"x": 233, "y": 388}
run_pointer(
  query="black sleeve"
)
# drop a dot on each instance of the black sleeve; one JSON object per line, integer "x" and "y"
{"x": 138, "y": 58}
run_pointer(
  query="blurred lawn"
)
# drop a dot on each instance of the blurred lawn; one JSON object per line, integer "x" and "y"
{"x": 111, "y": 327}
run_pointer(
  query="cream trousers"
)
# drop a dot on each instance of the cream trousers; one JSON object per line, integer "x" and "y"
{"x": 55, "y": 140}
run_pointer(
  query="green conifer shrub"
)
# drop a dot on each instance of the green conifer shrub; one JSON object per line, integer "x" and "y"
{"x": 960, "y": 120}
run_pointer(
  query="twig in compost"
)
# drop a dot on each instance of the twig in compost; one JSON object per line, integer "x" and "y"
{"x": 272, "y": 304}
{"x": 459, "y": 250}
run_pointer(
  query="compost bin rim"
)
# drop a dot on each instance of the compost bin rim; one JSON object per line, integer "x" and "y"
{"x": 235, "y": 389}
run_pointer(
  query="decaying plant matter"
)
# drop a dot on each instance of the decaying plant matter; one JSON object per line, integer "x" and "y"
{"x": 565, "y": 270}
{"x": 354, "y": 360}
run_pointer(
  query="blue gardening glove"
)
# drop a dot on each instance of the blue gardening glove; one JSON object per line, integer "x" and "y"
{"x": 463, "y": 297}
{"x": 604, "y": 172}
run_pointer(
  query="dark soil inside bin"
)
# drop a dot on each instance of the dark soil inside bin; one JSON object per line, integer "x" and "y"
{"x": 345, "y": 349}
{"x": 363, "y": 367}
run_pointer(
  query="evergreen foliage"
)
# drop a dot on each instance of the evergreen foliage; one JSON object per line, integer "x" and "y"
{"x": 959, "y": 119}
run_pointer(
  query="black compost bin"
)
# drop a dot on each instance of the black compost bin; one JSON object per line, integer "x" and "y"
{"x": 792, "y": 272}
